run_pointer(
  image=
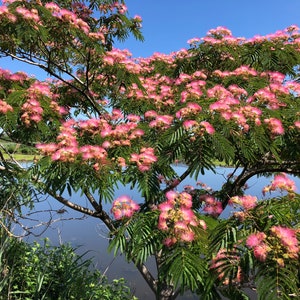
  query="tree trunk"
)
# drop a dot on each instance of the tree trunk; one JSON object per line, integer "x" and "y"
{"x": 165, "y": 292}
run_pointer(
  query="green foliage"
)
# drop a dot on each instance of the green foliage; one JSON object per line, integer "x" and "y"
{"x": 273, "y": 281}
{"x": 44, "y": 272}
{"x": 224, "y": 99}
{"x": 184, "y": 269}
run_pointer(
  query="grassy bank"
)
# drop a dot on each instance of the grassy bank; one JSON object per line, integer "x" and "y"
{"x": 20, "y": 157}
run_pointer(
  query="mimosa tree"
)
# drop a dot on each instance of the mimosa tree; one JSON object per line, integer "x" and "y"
{"x": 105, "y": 119}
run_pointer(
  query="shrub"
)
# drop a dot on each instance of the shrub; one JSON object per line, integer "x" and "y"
{"x": 40, "y": 271}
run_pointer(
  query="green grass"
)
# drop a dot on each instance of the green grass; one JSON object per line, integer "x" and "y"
{"x": 21, "y": 157}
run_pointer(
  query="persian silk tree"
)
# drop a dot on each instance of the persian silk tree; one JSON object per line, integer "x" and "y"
{"x": 105, "y": 119}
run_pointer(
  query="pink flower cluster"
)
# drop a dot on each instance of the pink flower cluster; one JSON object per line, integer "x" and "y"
{"x": 281, "y": 182}
{"x": 32, "y": 112}
{"x": 119, "y": 7}
{"x": 246, "y": 201}
{"x": 161, "y": 122}
{"x": 67, "y": 16}
{"x": 222, "y": 35}
{"x": 5, "y": 107}
{"x": 27, "y": 14}
{"x": 275, "y": 126}
{"x": 256, "y": 241}
{"x": 288, "y": 238}
{"x": 67, "y": 148}
{"x": 145, "y": 159}
{"x": 116, "y": 133}
{"x": 177, "y": 218}
{"x": 122, "y": 57}
{"x": 6, "y": 14}
{"x": 32, "y": 109}
{"x": 282, "y": 242}
{"x": 212, "y": 206}
{"x": 124, "y": 207}
{"x": 15, "y": 77}
{"x": 190, "y": 110}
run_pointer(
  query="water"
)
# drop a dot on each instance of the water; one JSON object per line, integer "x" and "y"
{"x": 89, "y": 234}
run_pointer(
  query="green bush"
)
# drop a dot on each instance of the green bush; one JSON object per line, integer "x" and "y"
{"x": 38, "y": 272}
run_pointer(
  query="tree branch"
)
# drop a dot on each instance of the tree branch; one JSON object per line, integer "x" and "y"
{"x": 264, "y": 166}
{"x": 52, "y": 73}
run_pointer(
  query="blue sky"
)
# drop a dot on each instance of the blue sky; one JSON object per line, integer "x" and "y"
{"x": 168, "y": 24}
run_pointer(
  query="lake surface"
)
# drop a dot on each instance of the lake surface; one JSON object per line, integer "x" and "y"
{"x": 89, "y": 234}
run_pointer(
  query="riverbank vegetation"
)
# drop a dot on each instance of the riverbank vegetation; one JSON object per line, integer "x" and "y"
{"x": 42, "y": 271}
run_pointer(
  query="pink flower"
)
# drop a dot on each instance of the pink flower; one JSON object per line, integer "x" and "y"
{"x": 281, "y": 182}
{"x": 124, "y": 206}
{"x": 185, "y": 200}
{"x": 208, "y": 127}
{"x": 261, "y": 251}
{"x": 212, "y": 206}
{"x": 47, "y": 148}
{"x": 246, "y": 201}
{"x": 288, "y": 237}
{"x": 297, "y": 124}
{"x": 5, "y": 107}
{"x": 137, "y": 18}
{"x": 145, "y": 159}
{"x": 188, "y": 124}
{"x": 275, "y": 126}
{"x": 172, "y": 195}
{"x": 255, "y": 239}
{"x": 169, "y": 241}
{"x": 177, "y": 218}
{"x": 187, "y": 236}
{"x": 165, "y": 206}
{"x": 193, "y": 41}
{"x": 203, "y": 224}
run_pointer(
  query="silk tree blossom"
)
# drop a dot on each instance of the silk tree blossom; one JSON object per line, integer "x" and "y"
{"x": 281, "y": 182}
{"x": 177, "y": 218}
{"x": 219, "y": 92}
{"x": 208, "y": 127}
{"x": 194, "y": 41}
{"x": 28, "y": 14}
{"x": 124, "y": 207}
{"x": 89, "y": 152}
{"x": 256, "y": 241}
{"x": 47, "y": 149}
{"x": 5, "y": 14}
{"x": 297, "y": 124}
{"x": 294, "y": 87}
{"x": 237, "y": 91}
{"x": 61, "y": 110}
{"x": 31, "y": 112}
{"x": 66, "y": 149}
{"x": 220, "y": 31}
{"x": 247, "y": 201}
{"x": 269, "y": 98}
{"x": 161, "y": 122}
{"x": 190, "y": 124}
{"x": 190, "y": 110}
{"x": 122, "y": 57}
{"x": 275, "y": 126}
{"x": 212, "y": 206}
{"x": 5, "y": 107}
{"x": 288, "y": 238}
{"x": 145, "y": 159}
{"x": 69, "y": 17}
{"x": 137, "y": 18}
{"x": 15, "y": 77}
